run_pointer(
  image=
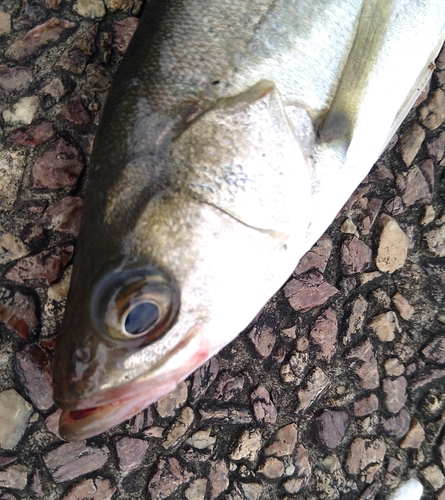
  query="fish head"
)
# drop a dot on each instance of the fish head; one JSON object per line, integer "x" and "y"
{"x": 162, "y": 283}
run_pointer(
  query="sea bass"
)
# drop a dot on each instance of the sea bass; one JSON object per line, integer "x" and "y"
{"x": 232, "y": 135}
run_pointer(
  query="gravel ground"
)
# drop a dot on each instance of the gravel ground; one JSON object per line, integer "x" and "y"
{"x": 335, "y": 390}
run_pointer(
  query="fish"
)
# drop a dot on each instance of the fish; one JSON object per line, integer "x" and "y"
{"x": 232, "y": 135}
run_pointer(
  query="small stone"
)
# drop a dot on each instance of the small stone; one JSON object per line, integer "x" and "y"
{"x": 36, "y": 485}
{"x": 395, "y": 393}
{"x": 356, "y": 318}
{"x": 34, "y": 370}
{"x": 413, "y": 187}
{"x": 348, "y": 227}
{"x": 76, "y": 55}
{"x": 15, "y": 476}
{"x": 178, "y": 429}
{"x": 317, "y": 258}
{"x": 98, "y": 78}
{"x": 23, "y": 111}
{"x": 33, "y": 135}
{"x": 403, "y": 306}
{"x": 284, "y": 441}
{"x": 323, "y": 335}
{"x": 196, "y": 490}
{"x": 123, "y": 33}
{"x": 435, "y": 239}
{"x": 364, "y": 453}
{"x": 14, "y": 415}
{"x": 263, "y": 407}
{"x": 90, "y": 8}
{"x": 218, "y": 479}
{"x": 202, "y": 439}
{"x": 95, "y": 488}
{"x": 316, "y": 383}
{"x": 64, "y": 216}
{"x": 202, "y": 378}
{"x": 14, "y": 80}
{"x": 385, "y": 325}
{"x": 393, "y": 463}
{"x": 228, "y": 386}
{"x": 410, "y": 143}
{"x": 230, "y": 415}
{"x": 393, "y": 367}
{"x": 434, "y": 476}
{"x": 436, "y": 147}
{"x": 131, "y": 452}
{"x": 37, "y": 38}
{"x": 399, "y": 425}
{"x": 52, "y": 92}
{"x": 289, "y": 332}
{"x": 167, "y": 405}
{"x": 414, "y": 437}
{"x": 248, "y": 446}
{"x": 295, "y": 370}
{"x": 308, "y": 291}
{"x": 5, "y": 23}
{"x": 367, "y": 371}
{"x": 432, "y": 114}
{"x": 47, "y": 266}
{"x": 58, "y": 292}
{"x": 263, "y": 338}
{"x": 18, "y": 311}
{"x": 72, "y": 460}
{"x": 169, "y": 477}
{"x": 355, "y": 256}
{"x": 428, "y": 215}
{"x": 434, "y": 376}
{"x": 58, "y": 167}
{"x": 141, "y": 421}
{"x": 393, "y": 246}
{"x": 394, "y": 206}
{"x": 272, "y": 468}
{"x": 366, "y": 406}
{"x": 331, "y": 427}
{"x": 435, "y": 351}
{"x": 76, "y": 113}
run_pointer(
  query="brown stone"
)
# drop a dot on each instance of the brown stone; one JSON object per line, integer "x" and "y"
{"x": 272, "y": 468}
{"x": 410, "y": 143}
{"x": 315, "y": 385}
{"x": 323, "y": 335}
{"x": 124, "y": 31}
{"x": 385, "y": 325}
{"x": 94, "y": 488}
{"x": 436, "y": 146}
{"x": 218, "y": 479}
{"x": 435, "y": 239}
{"x": 263, "y": 407}
{"x": 308, "y": 291}
{"x": 47, "y": 266}
{"x": 317, "y": 257}
{"x": 403, "y": 306}
{"x": 434, "y": 476}
{"x": 228, "y": 386}
{"x": 75, "y": 112}
{"x": 435, "y": 351}
{"x": 58, "y": 167}
{"x": 366, "y": 406}
{"x": 76, "y": 55}
{"x": 248, "y": 446}
{"x": 33, "y": 134}
{"x": 176, "y": 432}
{"x": 355, "y": 256}
{"x": 263, "y": 338}
{"x": 393, "y": 367}
{"x": 364, "y": 453}
{"x": 37, "y": 38}
{"x": 356, "y": 319}
{"x": 414, "y": 437}
{"x": 14, "y": 80}
{"x": 15, "y": 476}
{"x": 295, "y": 370}
{"x": 432, "y": 114}
{"x": 168, "y": 404}
{"x": 203, "y": 377}
{"x": 366, "y": 370}
{"x": 395, "y": 393}
{"x": 98, "y": 78}
{"x": 393, "y": 246}
{"x": 284, "y": 441}
{"x": 331, "y": 427}
{"x": 18, "y": 311}
{"x": 64, "y": 216}
{"x": 169, "y": 477}
{"x": 413, "y": 187}
{"x": 72, "y": 460}
{"x": 131, "y": 452}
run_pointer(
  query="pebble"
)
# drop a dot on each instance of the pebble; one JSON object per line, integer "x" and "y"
{"x": 428, "y": 215}
{"x": 34, "y": 363}
{"x": 14, "y": 80}
{"x": 75, "y": 112}
{"x": 18, "y": 311}
{"x": 434, "y": 476}
{"x": 393, "y": 246}
{"x": 323, "y": 335}
{"x": 23, "y": 111}
{"x": 123, "y": 32}
{"x": 14, "y": 415}
{"x": 393, "y": 367}
{"x": 202, "y": 439}
{"x": 97, "y": 488}
{"x": 263, "y": 338}
{"x": 218, "y": 479}
{"x": 435, "y": 351}
{"x": 248, "y": 446}
{"x": 404, "y": 308}
{"x": 47, "y": 266}
{"x": 436, "y": 147}
{"x": 363, "y": 454}
{"x": 169, "y": 477}
{"x": 15, "y": 476}
{"x": 196, "y": 490}
{"x": 203, "y": 378}
{"x": 316, "y": 383}
{"x": 32, "y": 135}
{"x": 89, "y": 8}
{"x": 167, "y": 405}
{"x": 308, "y": 291}
{"x": 356, "y": 319}
{"x": 130, "y": 452}
{"x": 435, "y": 239}
{"x": 76, "y": 55}
{"x": 37, "y": 38}
{"x": 64, "y": 216}
{"x": 272, "y": 468}
{"x": 317, "y": 258}
{"x": 413, "y": 187}
{"x": 395, "y": 393}
{"x": 59, "y": 167}
{"x": 366, "y": 370}
{"x": 366, "y": 406}
{"x": 5, "y": 23}
{"x": 283, "y": 442}
{"x": 410, "y": 143}
{"x": 178, "y": 429}
{"x": 331, "y": 426}
{"x": 385, "y": 325}
{"x": 296, "y": 369}
{"x": 414, "y": 437}
{"x": 432, "y": 114}
{"x": 263, "y": 407}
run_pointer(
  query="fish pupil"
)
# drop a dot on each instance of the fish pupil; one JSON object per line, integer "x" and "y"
{"x": 142, "y": 318}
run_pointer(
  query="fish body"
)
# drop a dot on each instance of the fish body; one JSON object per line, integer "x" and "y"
{"x": 232, "y": 135}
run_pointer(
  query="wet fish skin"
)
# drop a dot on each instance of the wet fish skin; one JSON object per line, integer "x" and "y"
{"x": 222, "y": 136}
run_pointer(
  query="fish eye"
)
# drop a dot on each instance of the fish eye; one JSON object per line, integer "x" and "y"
{"x": 135, "y": 305}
